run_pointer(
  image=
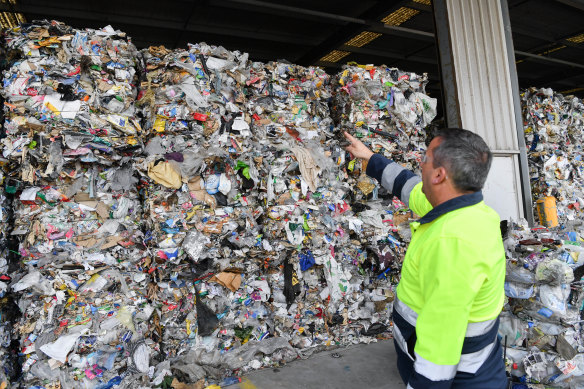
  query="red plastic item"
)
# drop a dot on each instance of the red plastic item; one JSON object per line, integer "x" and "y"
{"x": 200, "y": 117}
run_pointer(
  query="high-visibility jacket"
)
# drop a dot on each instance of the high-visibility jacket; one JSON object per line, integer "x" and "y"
{"x": 452, "y": 283}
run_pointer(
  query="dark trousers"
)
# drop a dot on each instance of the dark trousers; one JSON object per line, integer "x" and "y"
{"x": 491, "y": 375}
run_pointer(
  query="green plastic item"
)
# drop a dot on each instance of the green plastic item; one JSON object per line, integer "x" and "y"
{"x": 245, "y": 169}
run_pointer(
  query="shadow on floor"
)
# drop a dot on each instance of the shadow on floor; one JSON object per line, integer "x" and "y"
{"x": 365, "y": 366}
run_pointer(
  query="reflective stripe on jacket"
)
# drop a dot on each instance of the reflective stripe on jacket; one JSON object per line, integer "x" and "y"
{"x": 451, "y": 289}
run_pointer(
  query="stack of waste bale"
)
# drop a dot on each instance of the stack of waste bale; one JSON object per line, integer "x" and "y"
{"x": 554, "y": 133}
{"x": 9, "y": 312}
{"x": 188, "y": 97}
{"x": 252, "y": 212}
{"x": 10, "y": 370}
{"x": 385, "y": 105}
{"x": 541, "y": 322}
{"x": 388, "y": 110}
{"x": 189, "y": 214}
{"x": 72, "y": 132}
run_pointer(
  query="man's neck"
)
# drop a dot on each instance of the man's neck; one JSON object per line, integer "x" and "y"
{"x": 445, "y": 196}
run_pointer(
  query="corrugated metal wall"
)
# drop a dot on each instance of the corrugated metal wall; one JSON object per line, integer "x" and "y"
{"x": 480, "y": 67}
{"x": 482, "y": 72}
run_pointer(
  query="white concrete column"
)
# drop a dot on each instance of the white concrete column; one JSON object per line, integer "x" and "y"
{"x": 481, "y": 93}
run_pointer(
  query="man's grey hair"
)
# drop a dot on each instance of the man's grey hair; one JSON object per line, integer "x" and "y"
{"x": 465, "y": 156}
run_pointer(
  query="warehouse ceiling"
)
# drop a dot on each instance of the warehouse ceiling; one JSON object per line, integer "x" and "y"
{"x": 548, "y": 35}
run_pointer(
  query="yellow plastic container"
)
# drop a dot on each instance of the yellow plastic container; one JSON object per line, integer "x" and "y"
{"x": 547, "y": 211}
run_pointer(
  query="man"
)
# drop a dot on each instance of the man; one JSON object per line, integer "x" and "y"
{"x": 451, "y": 289}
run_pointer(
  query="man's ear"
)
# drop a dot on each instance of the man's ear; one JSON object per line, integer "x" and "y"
{"x": 439, "y": 175}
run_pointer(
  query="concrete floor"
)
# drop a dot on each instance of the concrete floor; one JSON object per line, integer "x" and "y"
{"x": 366, "y": 366}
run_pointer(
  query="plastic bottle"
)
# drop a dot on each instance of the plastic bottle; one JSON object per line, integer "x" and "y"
{"x": 230, "y": 381}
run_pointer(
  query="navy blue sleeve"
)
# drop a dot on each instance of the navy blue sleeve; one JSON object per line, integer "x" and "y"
{"x": 376, "y": 166}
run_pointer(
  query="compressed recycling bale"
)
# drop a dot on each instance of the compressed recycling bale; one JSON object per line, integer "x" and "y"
{"x": 238, "y": 236}
{"x": 543, "y": 282}
{"x": 554, "y": 128}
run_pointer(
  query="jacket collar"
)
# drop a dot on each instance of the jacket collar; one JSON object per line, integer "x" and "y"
{"x": 452, "y": 205}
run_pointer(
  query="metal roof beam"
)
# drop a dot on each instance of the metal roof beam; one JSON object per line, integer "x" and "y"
{"x": 58, "y": 12}
{"x": 404, "y": 32}
{"x": 178, "y": 25}
{"x": 287, "y": 9}
{"x": 121, "y": 20}
{"x": 419, "y": 6}
{"x": 383, "y": 28}
{"x": 265, "y": 6}
{"x": 578, "y": 4}
{"x": 545, "y": 37}
{"x": 370, "y": 25}
{"x": 387, "y": 54}
{"x": 343, "y": 33}
{"x": 541, "y": 58}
